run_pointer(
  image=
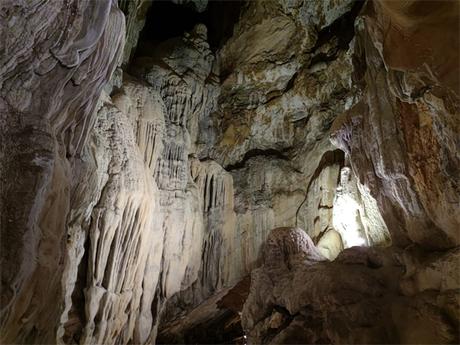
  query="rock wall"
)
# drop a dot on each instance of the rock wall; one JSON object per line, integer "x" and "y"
{"x": 131, "y": 192}
{"x": 401, "y": 139}
{"x": 134, "y": 210}
{"x": 56, "y": 57}
{"x": 269, "y": 128}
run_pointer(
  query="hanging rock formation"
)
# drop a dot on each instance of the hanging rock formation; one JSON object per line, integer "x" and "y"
{"x": 142, "y": 176}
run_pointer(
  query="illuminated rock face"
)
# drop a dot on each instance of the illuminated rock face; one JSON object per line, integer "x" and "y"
{"x": 366, "y": 295}
{"x": 355, "y": 214}
{"x": 402, "y": 136}
{"x": 56, "y": 57}
{"x": 135, "y": 210}
{"x": 399, "y": 139}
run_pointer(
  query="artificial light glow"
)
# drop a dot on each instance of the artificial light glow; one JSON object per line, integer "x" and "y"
{"x": 346, "y": 215}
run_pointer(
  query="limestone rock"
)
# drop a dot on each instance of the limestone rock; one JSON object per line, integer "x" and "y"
{"x": 355, "y": 214}
{"x": 355, "y": 299}
{"x": 388, "y": 295}
{"x": 142, "y": 209}
{"x": 402, "y": 136}
{"x": 135, "y": 13}
{"x": 56, "y": 57}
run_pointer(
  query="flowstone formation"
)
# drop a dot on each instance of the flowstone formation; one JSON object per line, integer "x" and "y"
{"x": 145, "y": 166}
{"x": 55, "y": 59}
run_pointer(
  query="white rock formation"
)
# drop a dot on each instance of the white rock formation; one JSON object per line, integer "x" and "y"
{"x": 124, "y": 212}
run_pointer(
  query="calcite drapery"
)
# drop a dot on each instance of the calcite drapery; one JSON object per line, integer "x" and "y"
{"x": 56, "y": 57}
{"x": 120, "y": 218}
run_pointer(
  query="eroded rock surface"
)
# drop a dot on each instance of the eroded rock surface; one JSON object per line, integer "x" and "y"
{"x": 142, "y": 209}
{"x": 365, "y": 296}
{"x": 403, "y": 135}
{"x": 400, "y": 138}
{"x": 55, "y": 58}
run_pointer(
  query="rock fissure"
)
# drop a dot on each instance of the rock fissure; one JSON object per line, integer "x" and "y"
{"x": 257, "y": 153}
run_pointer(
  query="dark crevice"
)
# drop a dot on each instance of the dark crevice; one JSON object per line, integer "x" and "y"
{"x": 76, "y": 315}
{"x": 287, "y": 318}
{"x": 275, "y": 94}
{"x": 257, "y": 152}
{"x": 323, "y": 57}
{"x": 327, "y": 207}
{"x": 341, "y": 29}
{"x": 320, "y": 235}
{"x": 282, "y": 310}
{"x": 291, "y": 83}
{"x": 225, "y": 328}
{"x": 166, "y": 20}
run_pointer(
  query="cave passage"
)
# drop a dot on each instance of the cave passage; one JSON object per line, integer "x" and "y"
{"x": 229, "y": 172}
{"x": 166, "y": 20}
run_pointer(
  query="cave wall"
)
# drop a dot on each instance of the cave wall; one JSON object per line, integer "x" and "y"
{"x": 56, "y": 57}
{"x": 402, "y": 136}
{"x": 269, "y": 128}
{"x": 141, "y": 179}
{"x": 401, "y": 139}
{"x": 170, "y": 180}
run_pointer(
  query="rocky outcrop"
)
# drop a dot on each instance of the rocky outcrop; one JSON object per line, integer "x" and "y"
{"x": 142, "y": 209}
{"x": 400, "y": 138}
{"x": 366, "y": 296}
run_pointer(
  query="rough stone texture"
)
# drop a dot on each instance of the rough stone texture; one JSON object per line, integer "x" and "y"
{"x": 355, "y": 215}
{"x": 135, "y": 13}
{"x": 367, "y": 295}
{"x": 124, "y": 238}
{"x": 163, "y": 195}
{"x": 195, "y": 198}
{"x": 403, "y": 135}
{"x": 271, "y": 134}
{"x": 401, "y": 138}
{"x": 198, "y": 5}
{"x": 269, "y": 127}
{"x": 138, "y": 214}
{"x": 55, "y": 58}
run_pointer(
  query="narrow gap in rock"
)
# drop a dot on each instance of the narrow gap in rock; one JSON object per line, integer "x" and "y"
{"x": 76, "y": 315}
